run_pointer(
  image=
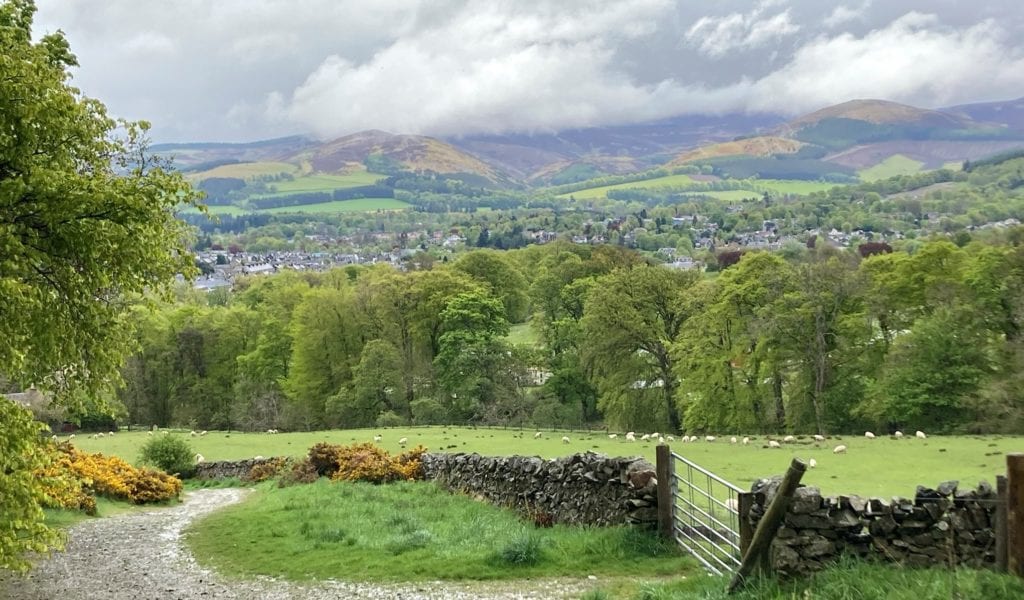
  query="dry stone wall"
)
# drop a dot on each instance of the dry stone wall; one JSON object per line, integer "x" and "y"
{"x": 225, "y": 469}
{"x": 941, "y": 526}
{"x": 588, "y": 488}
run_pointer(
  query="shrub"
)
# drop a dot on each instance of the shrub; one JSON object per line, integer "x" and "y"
{"x": 267, "y": 470}
{"x": 324, "y": 458}
{"x": 390, "y": 418}
{"x": 522, "y": 551}
{"x": 170, "y": 453}
{"x": 302, "y": 471}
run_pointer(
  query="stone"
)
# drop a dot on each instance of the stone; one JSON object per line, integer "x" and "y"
{"x": 805, "y": 500}
{"x": 947, "y": 488}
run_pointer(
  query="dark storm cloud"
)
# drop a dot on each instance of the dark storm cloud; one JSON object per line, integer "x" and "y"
{"x": 236, "y": 69}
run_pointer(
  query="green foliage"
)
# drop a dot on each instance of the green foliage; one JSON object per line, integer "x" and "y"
{"x": 171, "y": 453}
{"x": 525, "y": 550}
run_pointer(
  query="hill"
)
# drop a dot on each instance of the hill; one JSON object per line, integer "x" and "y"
{"x": 754, "y": 146}
{"x": 879, "y": 112}
{"x": 1008, "y": 113}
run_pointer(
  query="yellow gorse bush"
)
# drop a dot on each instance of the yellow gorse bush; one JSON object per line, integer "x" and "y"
{"x": 366, "y": 462}
{"x": 73, "y": 478}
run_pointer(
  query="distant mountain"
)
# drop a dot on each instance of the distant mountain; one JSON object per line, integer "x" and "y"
{"x": 1008, "y": 113}
{"x": 753, "y": 146}
{"x": 204, "y": 155}
{"x": 879, "y": 112}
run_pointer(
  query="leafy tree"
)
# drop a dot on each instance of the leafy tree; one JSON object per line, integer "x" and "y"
{"x": 86, "y": 223}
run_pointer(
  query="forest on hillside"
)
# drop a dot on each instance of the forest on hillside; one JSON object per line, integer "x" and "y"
{"x": 806, "y": 340}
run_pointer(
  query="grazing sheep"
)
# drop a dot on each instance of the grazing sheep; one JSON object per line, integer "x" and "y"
{"x": 898, "y": 435}
{"x": 709, "y": 438}
{"x": 693, "y": 438}
{"x": 746, "y": 441}
{"x": 99, "y": 435}
{"x": 732, "y": 440}
{"x": 258, "y": 457}
{"x": 537, "y": 435}
{"x": 202, "y": 433}
{"x": 631, "y": 436}
{"x": 920, "y": 435}
{"x": 377, "y": 438}
{"x": 53, "y": 438}
{"x": 869, "y": 435}
{"x": 200, "y": 459}
{"x": 193, "y": 433}
{"x": 661, "y": 439}
{"x": 645, "y": 437}
{"x": 149, "y": 432}
{"x": 789, "y": 439}
{"x": 565, "y": 439}
{"x": 732, "y": 504}
{"x": 402, "y": 442}
{"x": 670, "y": 438}
{"x": 612, "y": 436}
{"x": 655, "y": 434}
{"x": 840, "y": 449}
{"x": 819, "y": 437}
{"x": 110, "y": 433}
{"x": 774, "y": 444}
{"x": 812, "y": 463}
{"x": 71, "y": 437}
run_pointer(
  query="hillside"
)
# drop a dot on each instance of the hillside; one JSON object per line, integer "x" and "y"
{"x": 754, "y": 146}
{"x": 1009, "y": 113}
{"x": 879, "y": 112}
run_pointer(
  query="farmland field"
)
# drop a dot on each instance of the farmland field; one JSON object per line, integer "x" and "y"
{"x": 897, "y": 164}
{"x": 246, "y": 170}
{"x": 336, "y": 206}
{"x": 782, "y": 186}
{"x": 220, "y": 209}
{"x": 658, "y": 182}
{"x": 883, "y": 466}
{"x": 727, "y": 195}
{"x": 323, "y": 183}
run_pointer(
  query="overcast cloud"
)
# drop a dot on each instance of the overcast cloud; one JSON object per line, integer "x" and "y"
{"x": 237, "y": 70}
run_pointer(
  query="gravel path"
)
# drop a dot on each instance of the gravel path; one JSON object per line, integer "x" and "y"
{"x": 142, "y": 556}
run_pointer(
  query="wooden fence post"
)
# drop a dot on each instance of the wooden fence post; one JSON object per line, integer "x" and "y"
{"x": 745, "y": 500}
{"x": 1015, "y": 513}
{"x": 769, "y": 524}
{"x": 1000, "y": 524}
{"x": 665, "y": 472}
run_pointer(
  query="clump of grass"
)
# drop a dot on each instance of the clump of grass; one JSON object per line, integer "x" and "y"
{"x": 525, "y": 550}
{"x": 409, "y": 541}
{"x": 596, "y": 595}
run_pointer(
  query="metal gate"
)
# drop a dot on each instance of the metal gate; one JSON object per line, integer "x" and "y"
{"x": 705, "y": 515}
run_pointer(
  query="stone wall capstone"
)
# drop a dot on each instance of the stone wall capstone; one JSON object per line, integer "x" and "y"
{"x": 941, "y": 526}
{"x": 588, "y": 488}
{"x": 225, "y": 469}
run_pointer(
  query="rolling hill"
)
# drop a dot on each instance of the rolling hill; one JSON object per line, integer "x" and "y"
{"x": 754, "y": 146}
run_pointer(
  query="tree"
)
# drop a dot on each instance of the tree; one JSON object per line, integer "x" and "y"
{"x": 86, "y": 224}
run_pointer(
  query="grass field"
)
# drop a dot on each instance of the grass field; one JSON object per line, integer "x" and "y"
{"x": 323, "y": 183}
{"x": 728, "y": 195}
{"x": 658, "y": 182}
{"x": 408, "y": 531}
{"x": 246, "y": 170}
{"x": 880, "y": 467}
{"x": 336, "y": 206}
{"x": 897, "y": 164}
{"x": 218, "y": 210}
{"x": 523, "y": 334}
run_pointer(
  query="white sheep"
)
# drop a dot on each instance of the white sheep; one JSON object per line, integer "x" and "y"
{"x": 840, "y": 449}
{"x": 732, "y": 504}
{"x": 612, "y": 436}
{"x": 99, "y": 435}
{"x": 709, "y": 438}
{"x": 202, "y": 433}
{"x": 565, "y": 439}
{"x": 402, "y": 442}
{"x": 645, "y": 437}
{"x": 71, "y": 437}
{"x": 258, "y": 457}
{"x": 200, "y": 458}
{"x": 746, "y": 440}
{"x": 661, "y": 439}
{"x": 655, "y": 434}
{"x": 819, "y": 438}
{"x": 193, "y": 433}
{"x": 377, "y": 438}
{"x": 789, "y": 439}
{"x": 631, "y": 436}
{"x": 149, "y": 432}
{"x": 670, "y": 438}
{"x": 110, "y": 433}
{"x": 693, "y": 438}
{"x": 774, "y": 444}
{"x": 898, "y": 435}
{"x": 920, "y": 435}
{"x": 537, "y": 435}
{"x": 812, "y": 463}
{"x": 732, "y": 440}
{"x": 869, "y": 435}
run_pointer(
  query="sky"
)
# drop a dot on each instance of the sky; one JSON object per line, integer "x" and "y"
{"x": 243, "y": 70}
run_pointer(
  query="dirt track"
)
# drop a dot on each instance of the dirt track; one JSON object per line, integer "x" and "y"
{"x": 142, "y": 556}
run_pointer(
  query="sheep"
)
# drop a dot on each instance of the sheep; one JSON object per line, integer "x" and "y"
{"x": 537, "y": 435}
{"x": 746, "y": 440}
{"x": 149, "y": 432}
{"x": 732, "y": 440}
{"x": 612, "y": 436}
{"x": 898, "y": 435}
{"x": 200, "y": 458}
{"x": 645, "y": 437}
{"x": 99, "y": 435}
{"x": 869, "y": 435}
{"x": 693, "y": 438}
{"x": 71, "y": 437}
{"x": 840, "y": 449}
{"x": 192, "y": 433}
{"x": 774, "y": 444}
{"x": 819, "y": 438}
{"x": 53, "y": 438}
{"x": 670, "y": 438}
{"x": 920, "y": 435}
{"x": 789, "y": 439}
{"x": 202, "y": 433}
{"x": 661, "y": 439}
{"x": 732, "y": 504}
{"x": 709, "y": 438}
{"x": 655, "y": 434}
{"x": 565, "y": 439}
{"x": 402, "y": 442}
{"x": 812, "y": 463}
{"x": 377, "y": 438}
{"x": 258, "y": 457}
{"x": 631, "y": 436}
{"x": 110, "y": 433}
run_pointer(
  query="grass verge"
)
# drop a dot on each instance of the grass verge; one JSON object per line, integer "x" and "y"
{"x": 412, "y": 531}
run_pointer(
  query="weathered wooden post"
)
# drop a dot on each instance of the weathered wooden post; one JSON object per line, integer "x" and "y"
{"x": 1000, "y": 524}
{"x": 1015, "y": 513}
{"x": 769, "y": 523}
{"x": 665, "y": 472}
{"x": 745, "y": 500}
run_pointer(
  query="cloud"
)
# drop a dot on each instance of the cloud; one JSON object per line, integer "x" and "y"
{"x": 915, "y": 59}
{"x": 844, "y": 14}
{"x": 718, "y": 36}
{"x": 491, "y": 68}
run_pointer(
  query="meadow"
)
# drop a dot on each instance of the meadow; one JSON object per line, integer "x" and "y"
{"x": 897, "y": 164}
{"x": 881, "y": 467}
{"x": 657, "y": 182}
{"x": 322, "y": 183}
{"x": 780, "y": 186}
{"x": 336, "y": 206}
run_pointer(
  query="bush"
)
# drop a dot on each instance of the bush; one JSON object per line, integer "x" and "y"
{"x": 363, "y": 462}
{"x": 268, "y": 470}
{"x": 390, "y": 418}
{"x": 169, "y": 453}
{"x": 303, "y": 471}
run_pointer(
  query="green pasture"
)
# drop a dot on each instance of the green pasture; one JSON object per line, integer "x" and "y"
{"x": 793, "y": 186}
{"x": 336, "y": 206}
{"x": 727, "y": 195}
{"x": 880, "y": 467}
{"x": 246, "y": 170}
{"x": 410, "y": 531}
{"x": 657, "y": 182}
{"x": 322, "y": 183}
{"x": 220, "y": 209}
{"x": 897, "y": 164}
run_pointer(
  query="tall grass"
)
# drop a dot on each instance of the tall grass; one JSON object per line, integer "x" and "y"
{"x": 412, "y": 531}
